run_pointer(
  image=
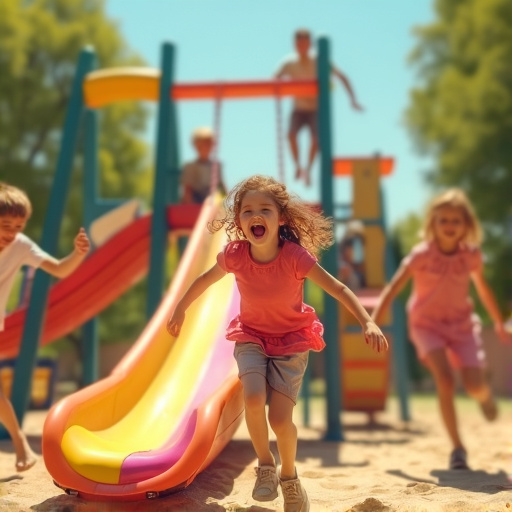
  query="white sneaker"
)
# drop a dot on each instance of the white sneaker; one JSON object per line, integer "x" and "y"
{"x": 295, "y": 496}
{"x": 265, "y": 488}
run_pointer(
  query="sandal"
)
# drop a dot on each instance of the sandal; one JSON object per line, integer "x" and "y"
{"x": 458, "y": 459}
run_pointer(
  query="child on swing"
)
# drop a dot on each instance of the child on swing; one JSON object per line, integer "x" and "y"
{"x": 274, "y": 236}
{"x": 442, "y": 325}
{"x": 17, "y": 250}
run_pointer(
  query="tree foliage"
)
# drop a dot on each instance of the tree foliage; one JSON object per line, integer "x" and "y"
{"x": 40, "y": 41}
{"x": 461, "y": 114}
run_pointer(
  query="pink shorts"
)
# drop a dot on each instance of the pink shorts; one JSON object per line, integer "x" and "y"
{"x": 465, "y": 348}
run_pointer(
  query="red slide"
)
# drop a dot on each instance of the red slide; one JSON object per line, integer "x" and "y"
{"x": 103, "y": 277}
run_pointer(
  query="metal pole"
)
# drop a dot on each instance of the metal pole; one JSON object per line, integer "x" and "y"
{"x": 26, "y": 361}
{"x": 332, "y": 352}
{"x": 90, "y": 342}
{"x": 166, "y": 142}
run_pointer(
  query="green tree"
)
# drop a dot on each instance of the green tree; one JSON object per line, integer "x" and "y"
{"x": 461, "y": 114}
{"x": 40, "y": 41}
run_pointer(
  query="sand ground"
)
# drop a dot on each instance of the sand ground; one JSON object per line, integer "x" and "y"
{"x": 392, "y": 467}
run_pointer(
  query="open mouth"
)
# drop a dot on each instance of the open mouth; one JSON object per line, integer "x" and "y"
{"x": 258, "y": 231}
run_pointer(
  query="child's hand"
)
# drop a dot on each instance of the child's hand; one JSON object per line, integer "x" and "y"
{"x": 502, "y": 333}
{"x": 175, "y": 322}
{"x": 374, "y": 337}
{"x": 82, "y": 244}
{"x": 356, "y": 106}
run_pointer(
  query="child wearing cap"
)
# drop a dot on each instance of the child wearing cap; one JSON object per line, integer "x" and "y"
{"x": 196, "y": 175}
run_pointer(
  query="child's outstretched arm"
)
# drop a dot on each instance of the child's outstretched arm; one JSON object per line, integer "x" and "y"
{"x": 390, "y": 291}
{"x": 372, "y": 334}
{"x": 348, "y": 87}
{"x": 200, "y": 285}
{"x": 67, "y": 265}
{"x": 489, "y": 301}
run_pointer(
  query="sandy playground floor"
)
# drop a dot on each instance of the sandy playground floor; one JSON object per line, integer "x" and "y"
{"x": 393, "y": 467}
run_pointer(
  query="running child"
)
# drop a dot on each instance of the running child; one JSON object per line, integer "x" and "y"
{"x": 17, "y": 250}
{"x": 273, "y": 238}
{"x": 442, "y": 324}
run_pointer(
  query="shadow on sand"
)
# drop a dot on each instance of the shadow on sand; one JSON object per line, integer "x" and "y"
{"x": 465, "y": 480}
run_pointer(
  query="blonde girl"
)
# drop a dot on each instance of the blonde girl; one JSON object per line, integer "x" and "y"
{"x": 273, "y": 240}
{"x": 442, "y": 324}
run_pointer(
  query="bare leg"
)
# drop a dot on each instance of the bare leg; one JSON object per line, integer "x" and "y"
{"x": 477, "y": 387}
{"x": 255, "y": 395}
{"x": 313, "y": 149}
{"x": 294, "y": 148}
{"x": 25, "y": 457}
{"x": 437, "y": 363}
{"x": 280, "y": 416}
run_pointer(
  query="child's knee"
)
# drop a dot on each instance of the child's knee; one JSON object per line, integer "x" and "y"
{"x": 279, "y": 419}
{"x": 255, "y": 400}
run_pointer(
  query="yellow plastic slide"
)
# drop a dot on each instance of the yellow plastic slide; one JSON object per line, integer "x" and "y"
{"x": 167, "y": 409}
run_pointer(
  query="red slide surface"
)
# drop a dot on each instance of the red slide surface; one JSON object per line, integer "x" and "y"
{"x": 103, "y": 277}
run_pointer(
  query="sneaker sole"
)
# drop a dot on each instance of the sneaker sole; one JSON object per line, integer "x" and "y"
{"x": 270, "y": 497}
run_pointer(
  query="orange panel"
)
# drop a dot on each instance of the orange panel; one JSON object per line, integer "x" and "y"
{"x": 254, "y": 89}
{"x": 123, "y": 84}
{"x": 343, "y": 166}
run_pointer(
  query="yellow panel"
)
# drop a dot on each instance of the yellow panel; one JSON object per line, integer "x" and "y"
{"x": 108, "y": 85}
{"x": 374, "y": 254}
{"x": 366, "y": 189}
{"x": 373, "y": 379}
{"x": 345, "y": 317}
{"x": 353, "y": 346}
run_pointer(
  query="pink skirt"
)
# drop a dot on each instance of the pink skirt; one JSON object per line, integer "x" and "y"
{"x": 307, "y": 338}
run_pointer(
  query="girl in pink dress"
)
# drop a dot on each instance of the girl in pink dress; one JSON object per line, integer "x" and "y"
{"x": 273, "y": 237}
{"x": 442, "y": 324}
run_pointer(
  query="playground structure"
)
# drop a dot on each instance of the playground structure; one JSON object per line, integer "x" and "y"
{"x": 115, "y": 455}
{"x": 366, "y": 374}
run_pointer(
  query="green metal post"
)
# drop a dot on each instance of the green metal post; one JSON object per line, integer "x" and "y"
{"x": 166, "y": 145}
{"x": 90, "y": 342}
{"x": 332, "y": 352}
{"x": 26, "y": 360}
{"x": 305, "y": 391}
{"x": 398, "y": 330}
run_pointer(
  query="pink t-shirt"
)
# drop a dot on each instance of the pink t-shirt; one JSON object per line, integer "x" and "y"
{"x": 440, "y": 295}
{"x": 271, "y": 303}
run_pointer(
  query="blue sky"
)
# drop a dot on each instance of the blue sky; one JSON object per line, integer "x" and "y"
{"x": 222, "y": 40}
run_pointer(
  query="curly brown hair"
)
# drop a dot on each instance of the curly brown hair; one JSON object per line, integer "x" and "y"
{"x": 303, "y": 223}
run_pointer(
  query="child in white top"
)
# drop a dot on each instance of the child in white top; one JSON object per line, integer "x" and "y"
{"x": 17, "y": 250}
